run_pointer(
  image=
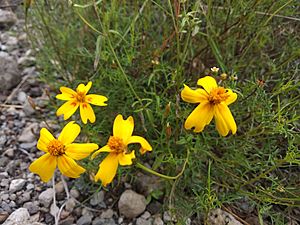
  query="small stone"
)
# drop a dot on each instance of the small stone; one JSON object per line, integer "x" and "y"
{"x": 28, "y": 146}
{"x": 131, "y": 204}
{"x": 74, "y": 193}
{"x": 97, "y": 198}
{"x": 59, "y": 187}
{"x": 7, "y": 19}
{"x": 46, "y": 197}
{"x": 69, "y": 221}
{"x": 3, "y": 216}
{"x": 18, "y": 217}
{"x": 27, "y": 108}
{"x": 142, "y": 221}
{"x": 9, "y": 73}
{"x": 84, "y": 220}
{"x": 16, "y": 185}
{"x": 27, "y": 135}
{"x": 101, "y": 221}
{"x": 107, "y": 214}
{"x": 9, "y": 152}
{"x": 167, "y": 217}
{"x": 30, "y": 186}
{"x": 146, "y": 215}
{"x": 22, "y": 97}
{"x": 158, "y": 221}
{"x": 70, "y": 204}
{"x": 220, "y": 217}
{"x": 31, "y": 207}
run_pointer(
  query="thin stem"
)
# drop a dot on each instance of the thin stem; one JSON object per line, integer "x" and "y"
{"x": 141, "y": 166}
{"x": 54, "y": 199}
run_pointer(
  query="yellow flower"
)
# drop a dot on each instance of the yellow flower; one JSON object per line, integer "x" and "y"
{"x": 79, "y": 98}
{"x": 214, "y": 102}
{"x": 61, "y": 152}
{"x": 118, "y": 150}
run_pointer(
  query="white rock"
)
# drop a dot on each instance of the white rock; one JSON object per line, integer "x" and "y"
{"x": 131, "y": 204}
{"x": 46, "y": 197}
{"x": 16, "y": 185}
{"x": 9, "y": 73}
{"x": 22, "y": 97}
{"x": 97, "y": 198}
{"x": 158, "y": 221}
{"x": 27, "y": 136}
{"x": 18, "y": 217}
{"x": 7, "y": 18}
{"x": 107, "y": 214}
{"x": 220, "y": 217}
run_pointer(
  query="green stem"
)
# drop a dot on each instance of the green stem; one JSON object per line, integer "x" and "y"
{"x": 141, "y": 166}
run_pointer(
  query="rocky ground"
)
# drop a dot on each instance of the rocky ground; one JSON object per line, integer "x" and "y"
{"x": 24, "y": 199}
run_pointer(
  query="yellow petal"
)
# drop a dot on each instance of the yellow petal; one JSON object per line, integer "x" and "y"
{"x": 66, "y": 94}
{"x": 107, "y": 169}
{"x": 96, "y": 99}
{"x": 87, "y": 113}
{"x": 103, "y": 149}
{"x": 123, "y": 128}
{"x": 44, "y": 166}
{"x": 232, "y": 97}
{"x": 69, "y": 167}
{"x": 200, "y": 117}
{"x": 69, "y": 133}
{"x": 80, "y": 151}
{"x": 224, "y": 120}
{"x": 68, "y": 109}
{"x": 145, "y": 146}
{"x": 126, "y": 159}
{"x": 208, "y": 83}
{"x": 45, "y": 138}
{"x": 84, "y": 88}
{"x": 193, "y": 96}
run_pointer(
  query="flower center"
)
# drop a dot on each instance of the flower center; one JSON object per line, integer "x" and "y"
{"x": 116, "y": 144}
{"x": 80, "y": 97}
{"x": 218, "y": 95}
{"x": 56, "y": 147}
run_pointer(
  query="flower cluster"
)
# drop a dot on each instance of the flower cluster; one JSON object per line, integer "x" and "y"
{"x": 62, "y": 152}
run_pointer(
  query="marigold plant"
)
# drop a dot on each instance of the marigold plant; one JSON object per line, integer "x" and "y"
{"x": 61, "y": 153}
{"x": 117, "y": 147}
{"x": 81, "y": 99}
{"x": 213, "y": 103}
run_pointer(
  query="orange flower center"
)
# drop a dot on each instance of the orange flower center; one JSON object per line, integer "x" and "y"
{"x": 80, "y": 97}
{"x": 218, "y": 95}
{"x": 116, "y": 144}
{"x": 56, "y": 147}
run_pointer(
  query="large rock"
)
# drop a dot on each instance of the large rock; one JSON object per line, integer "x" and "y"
{"x": 7, "y": 19}
{"x": 18, "y": 217}
{"x": 10, "y": 76}
{"x": 131, "y": 204}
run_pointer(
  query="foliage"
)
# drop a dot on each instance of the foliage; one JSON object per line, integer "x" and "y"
{"x": 140, "y": 53}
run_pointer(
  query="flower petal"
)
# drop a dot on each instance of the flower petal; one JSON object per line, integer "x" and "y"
{"x": 87, "y": 113}
{"x": 44, "y": 166}
{"x": 69, "y": 167}
{"x": 80, "y": 151}
{"x": 68, "y": 109}
{"x": 126, "y": 159}
{"x": 84, "y": 88}
{"x": 232, "y": 97}
{"x": 45, "y": 138}
{"x": 69, "y": 133}
{"x": 224, "y": 120}
{"x": 66, "y": 94}
{"x": 103, "y": 149}
{"x": 193, "y": 96}
{"x": 145, "y": 146}
{"x": 200, "y": 117}
{"x": 96, "y": 99}
{"x": 208, "y": 83}
{"x": 123, "y": 128}
{"x": 107, "y": 169}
